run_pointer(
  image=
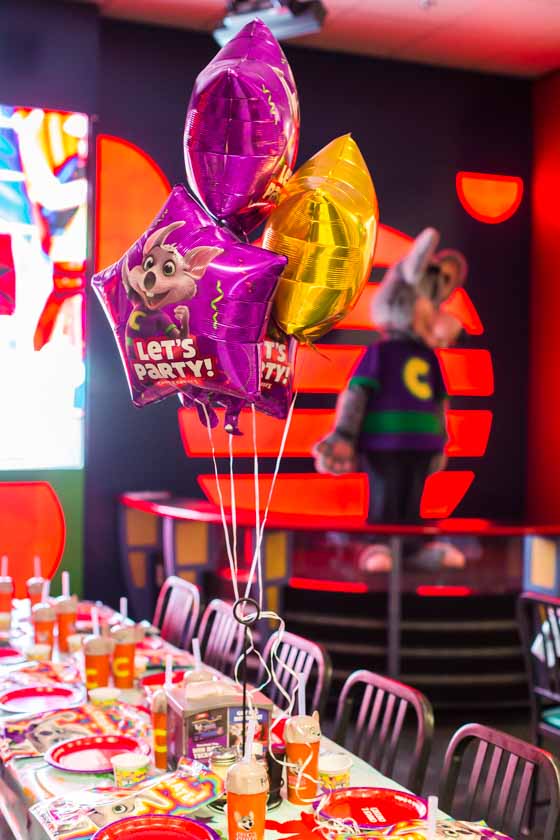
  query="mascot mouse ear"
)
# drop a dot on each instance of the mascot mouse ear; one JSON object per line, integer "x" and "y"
{"x": 458, "y": 260}
{"x": 414, "y": 265}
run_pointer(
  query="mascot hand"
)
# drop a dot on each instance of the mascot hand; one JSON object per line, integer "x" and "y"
{"x": 335, "y": 455}
{"x": 438, "y": 463}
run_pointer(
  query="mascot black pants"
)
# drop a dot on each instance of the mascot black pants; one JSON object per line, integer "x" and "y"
{"x": 396, "y": 481}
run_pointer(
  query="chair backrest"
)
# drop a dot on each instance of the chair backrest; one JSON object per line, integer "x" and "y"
{"x": 492, "y": 776}
{"x": 539, "y": 627}
{"x": 378, "y": 708}
{"x": 177, "y": 610}
{"x": 221, "y": 637}
{"x": 296, "y": 655}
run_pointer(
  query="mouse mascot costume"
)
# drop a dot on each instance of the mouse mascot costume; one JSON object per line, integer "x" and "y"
{"x": 391, "y": 418}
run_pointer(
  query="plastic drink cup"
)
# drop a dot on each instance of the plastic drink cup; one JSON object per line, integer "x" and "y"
{"x": 66, "y": 611}
{"x": 247, "y": 793}
{"x": 38, "y": 653}
{"x": 334, "y": 770}
{"x": 7, "y": 590}
{"x": 130, "y": 768}
{"x": 302, "y": 736}
{"x": 34, "y": 587}
{"x": 123, "y": 656}
{"x": 44, "y": 619}
{"x": 5, "y": 621}
{"x": 159, "y": 728}
{"x": 97, "y": 659}
{"x": 140, "y": 666}
{"x": 75, "y": 642}
{"x": 104, "y": 696}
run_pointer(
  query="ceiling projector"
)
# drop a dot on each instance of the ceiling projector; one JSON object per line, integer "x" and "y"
{"x": 285, "y": 18}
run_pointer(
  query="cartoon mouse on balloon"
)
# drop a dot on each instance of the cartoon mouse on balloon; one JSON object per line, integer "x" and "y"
{"x": 165, "y": 276}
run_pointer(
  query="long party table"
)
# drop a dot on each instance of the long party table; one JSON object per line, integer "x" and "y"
{"x": 26, "y": 781}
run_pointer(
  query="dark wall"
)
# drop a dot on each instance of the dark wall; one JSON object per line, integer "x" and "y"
{"x": 416, "y": 127}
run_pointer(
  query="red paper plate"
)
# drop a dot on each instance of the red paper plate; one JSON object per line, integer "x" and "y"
{"x": 39, "y": 698}
{"x": 150, "y": 643}
{"x": 92, "y": 754}
{"x": 9, "y": 656}
{"x": 159, "y": 678}
{"x": 156, "y": 827}
{"x": 374, "y": 807}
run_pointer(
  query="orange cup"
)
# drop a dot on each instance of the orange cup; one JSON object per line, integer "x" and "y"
{"x": 159, "y": 728}
{"x": 302, "y": 736}
{"x": 247, "y": 793}
{"x": 66, "y": 611}
{"x": 123, "y": 656}
{"x": 44, "y": 618}
{"x": 7, "y": 590}
{"x": 34, "y": 588}
{"x": 97, "y": 660}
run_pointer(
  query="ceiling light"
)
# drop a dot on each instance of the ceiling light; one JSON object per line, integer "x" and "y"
{"x": 285, "y": 18}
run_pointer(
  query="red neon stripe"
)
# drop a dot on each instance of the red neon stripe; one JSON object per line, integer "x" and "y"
{"x": 301, "y": 493}
{"x": 461, "y": 306}
{"x": 308, "y": 426}
{"x": 320, "y": 585}
{"x": 467, "y": 432}
{"x": 444, "y": 591}
{"x": 443, "y": 491}
{"x": 325, "y": 367}
{"x": 467, "y": 372}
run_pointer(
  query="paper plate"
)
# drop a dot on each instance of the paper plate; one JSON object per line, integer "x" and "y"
{"x": 150, "y": 643}
{"x": 156, "y": 827}
{"x": 9, "y": 656}
{"x": 159, "y": 678}
{"x": 374, "y": 807}
{"x": 40, "y": 698}
{"x": 92, "y": 754}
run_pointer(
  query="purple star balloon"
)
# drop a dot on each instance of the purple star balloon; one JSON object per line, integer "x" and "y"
{"x": 242, "y": 129}
{"x": 189, "y": 305}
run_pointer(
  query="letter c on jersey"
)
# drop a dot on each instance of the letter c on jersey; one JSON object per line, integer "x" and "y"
{"x": 413, "y": 372}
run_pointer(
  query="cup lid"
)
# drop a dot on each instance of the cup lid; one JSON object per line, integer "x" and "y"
{"x": 43, "y": 612}
{"x": 247, "y": 777}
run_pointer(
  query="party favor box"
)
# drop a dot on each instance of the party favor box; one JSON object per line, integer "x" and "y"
{"x": 210, "y": 718}
{"x": 80, "y": 815}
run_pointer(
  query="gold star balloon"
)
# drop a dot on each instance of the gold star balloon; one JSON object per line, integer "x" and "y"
{"x": 326, "y": 225}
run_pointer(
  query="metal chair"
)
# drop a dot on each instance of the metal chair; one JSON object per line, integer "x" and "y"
{"x": 383, "y": 705}
{"x": 221, "y": 637}
{"x": 177, "y": 610}
{"x": 500, "y": 776}
{"x": 297, "y": 655}
{"x": 539, "y": 627}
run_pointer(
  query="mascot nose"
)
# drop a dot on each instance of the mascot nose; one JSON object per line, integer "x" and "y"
{"x": 149, "y": 280}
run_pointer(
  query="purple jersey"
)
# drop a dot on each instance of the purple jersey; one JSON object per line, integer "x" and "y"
{"x": 405, "y": 391}
{"x": 145, "y": 324}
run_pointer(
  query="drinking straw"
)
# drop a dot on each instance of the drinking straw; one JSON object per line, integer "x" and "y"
{"x": 431, "y": 819}
{"x": 123, "y": 608}
{"x": 45, "y": 591}
{"x": 302, "y": 680}
{"x": 65, "y": 584}
{"x": 250, "y": 737}
{"x": 95, "y": 621}
{"x": 196, "y": 654}
{"x": 36, "y": 566}
{"x": 4, "y": 570}
{"x": 168, "y": 669}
